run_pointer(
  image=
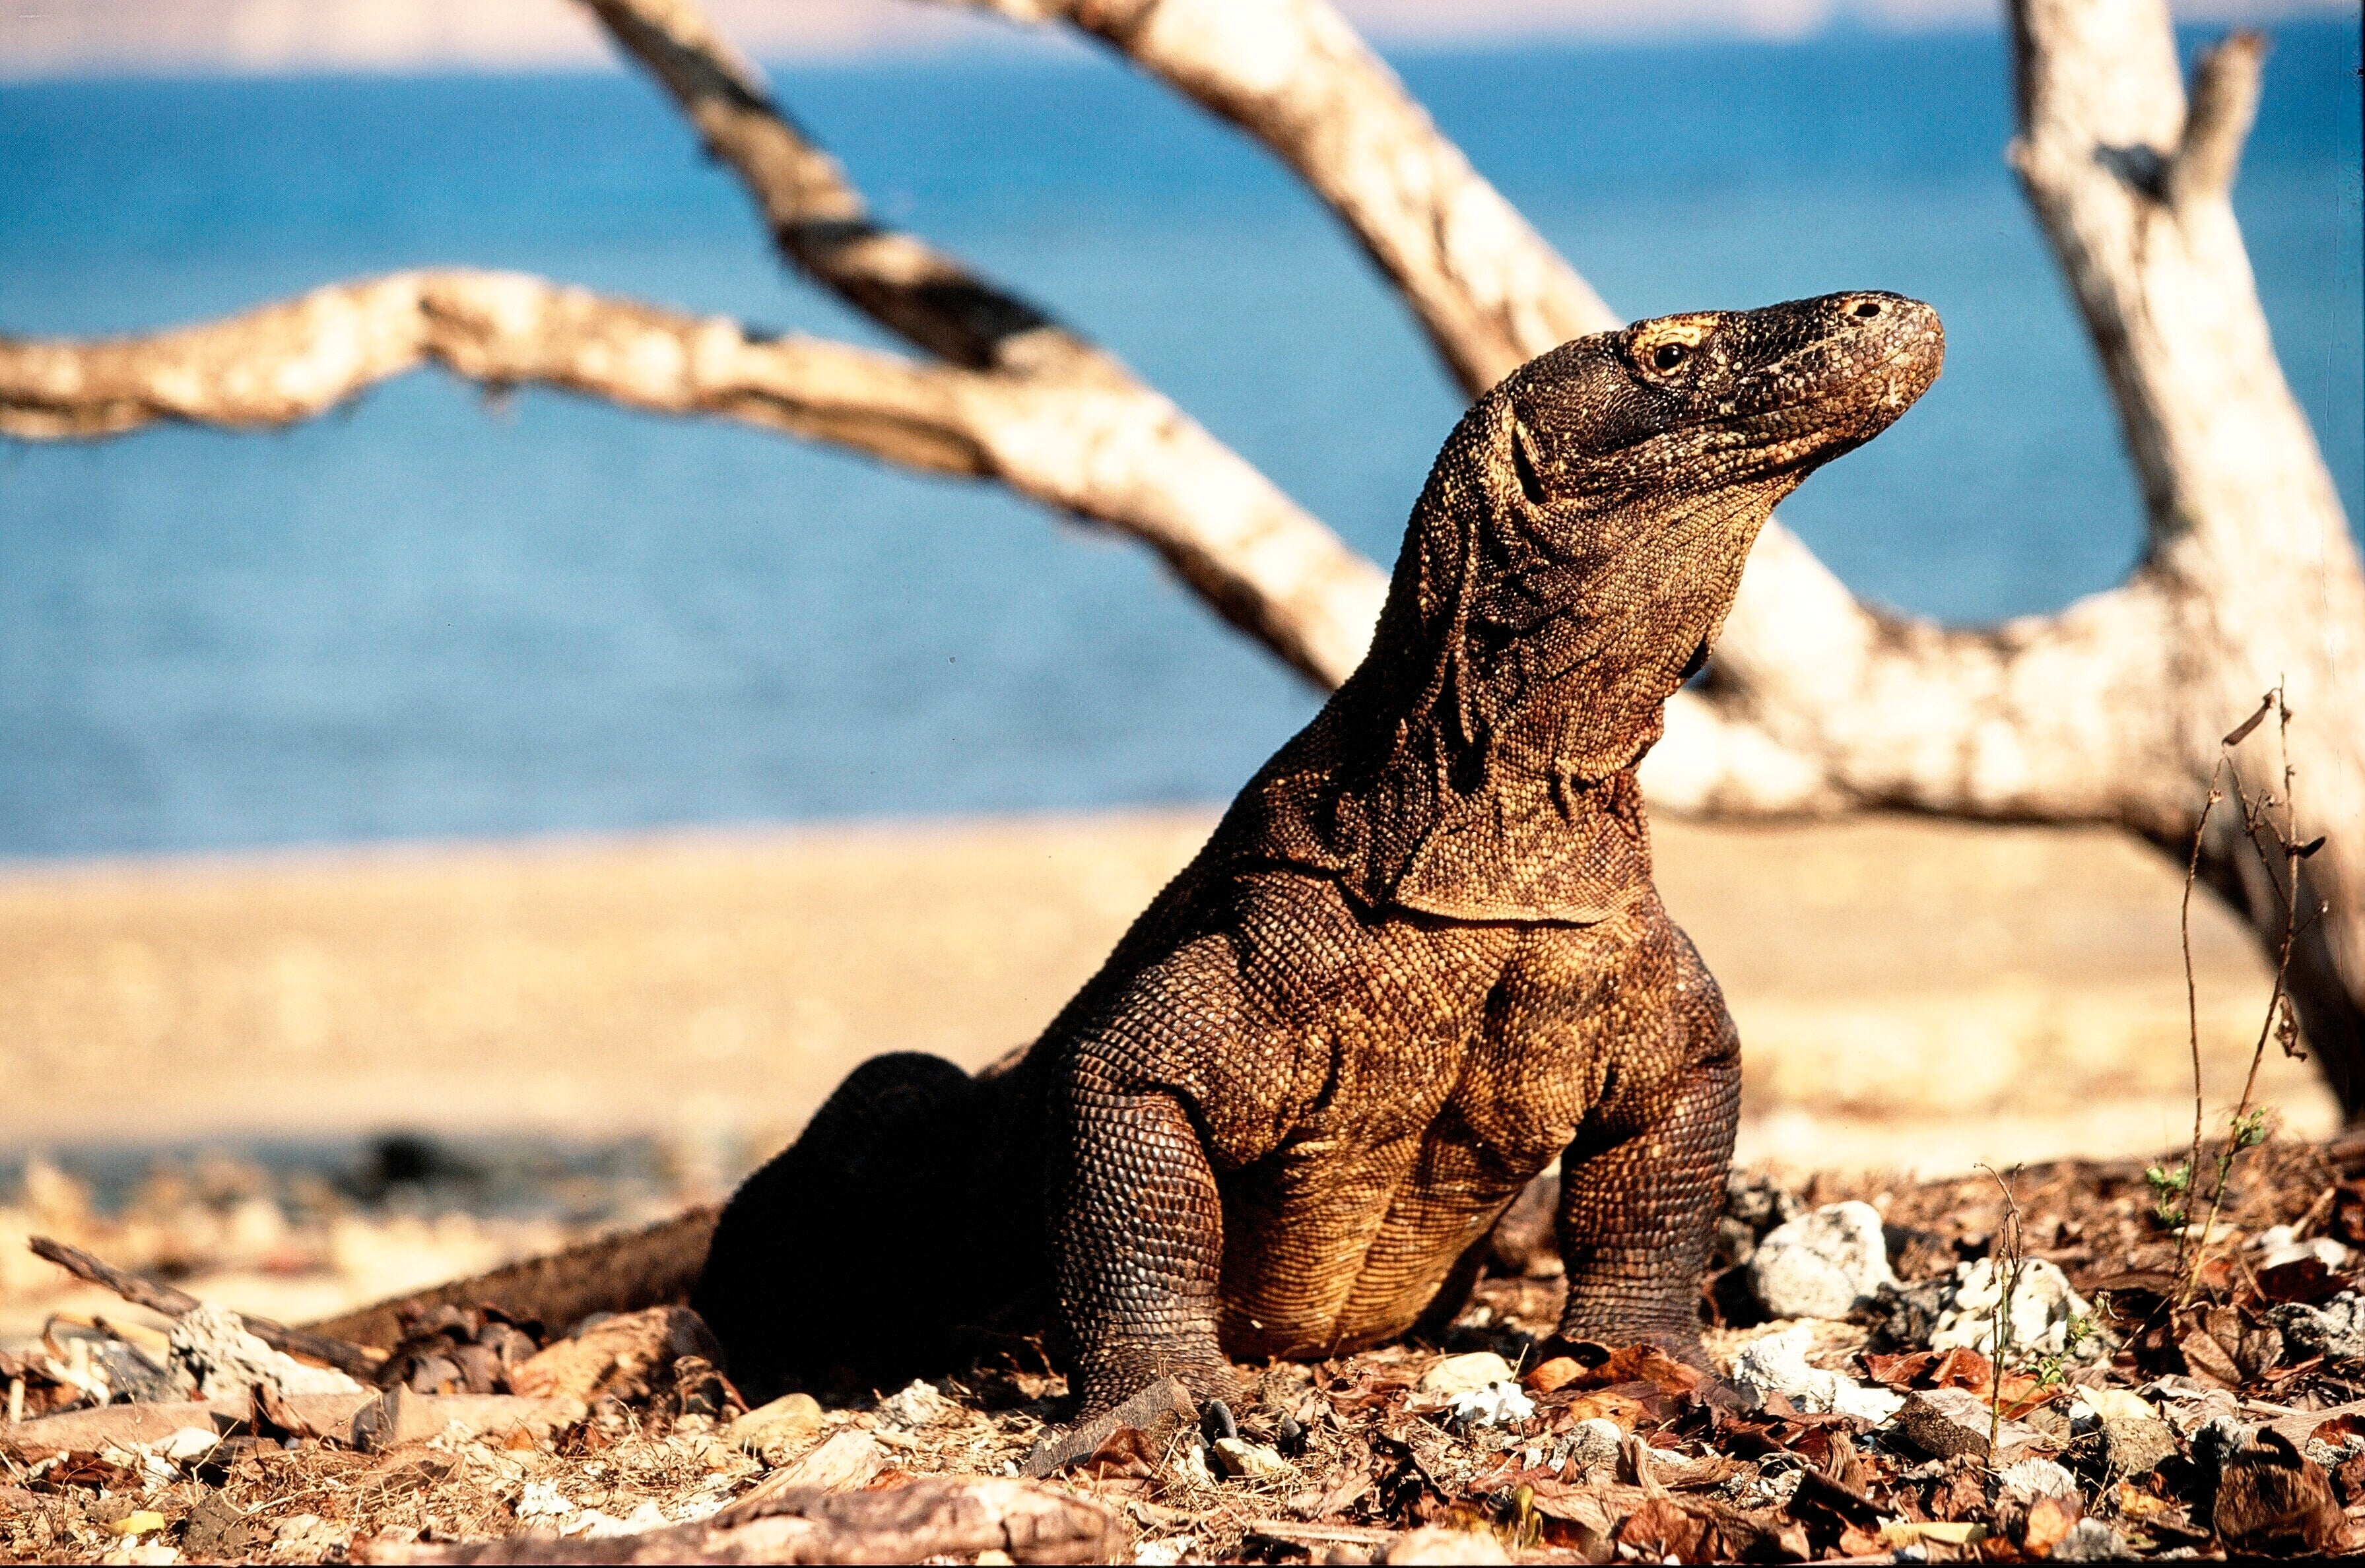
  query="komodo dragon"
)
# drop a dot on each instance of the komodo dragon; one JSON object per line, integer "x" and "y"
{"x": 1420, "y": 959}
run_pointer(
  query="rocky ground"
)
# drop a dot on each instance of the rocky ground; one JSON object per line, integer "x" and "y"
{"x": 2156, "y": 1399}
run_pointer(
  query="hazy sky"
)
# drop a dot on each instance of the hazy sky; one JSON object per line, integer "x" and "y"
{"x": 71, "y": 37}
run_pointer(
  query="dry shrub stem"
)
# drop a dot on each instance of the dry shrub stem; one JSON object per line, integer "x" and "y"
{"x": 2192, "y": 1010}
{"x": 2010, "y": 1251}
{"x": 2258, "y": 822}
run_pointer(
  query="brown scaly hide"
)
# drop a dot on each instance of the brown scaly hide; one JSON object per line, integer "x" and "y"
{"x": 1420, "y": 959}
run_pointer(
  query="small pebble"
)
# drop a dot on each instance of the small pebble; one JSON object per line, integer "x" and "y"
{"x": 785, "y": 1419}
{"x": 1450, "y": 1375}
{"x": 1244, "y": 1461}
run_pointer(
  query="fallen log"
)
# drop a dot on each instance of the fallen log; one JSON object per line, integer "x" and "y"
{"x": 332, "y": 1415}
{"x": 352, "y": 1359}
{"x": 623, "y": 1271}
{"x": 932, "y": 1518}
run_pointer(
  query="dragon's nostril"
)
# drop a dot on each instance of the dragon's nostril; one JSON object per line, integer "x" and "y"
{"x": 1867, "y": 310}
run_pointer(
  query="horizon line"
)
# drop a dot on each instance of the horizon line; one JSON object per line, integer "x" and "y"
{"x": 231, "y": 39}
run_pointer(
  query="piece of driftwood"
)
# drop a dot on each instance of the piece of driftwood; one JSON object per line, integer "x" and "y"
{"x": 352, "y": 1359}
{"x": 622, "y": 1271}
{"x": 933, "y": 1518}
{"x": 328, "y": 1415}
{"x": 1318, "y": 1538}
{"x": 398, "y": 1416}
{"x": 847, "y": 1462}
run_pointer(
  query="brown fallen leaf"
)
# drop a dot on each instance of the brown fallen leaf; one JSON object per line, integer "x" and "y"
{"x": 1643, "y": 1364}
{"x": 1557, "y": 1372}
{"x": 848, "y": 1461}
{"x": 624, "y": 1356}
{"x": 2047, "y": 1522}
{"x": 1608, "y": 1406}
{"x": 1663, "y": 1529}
{"x": 2273, "y": 1498}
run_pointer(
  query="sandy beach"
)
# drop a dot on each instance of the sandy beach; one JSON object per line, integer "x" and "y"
{"x": 1909, "y": 993}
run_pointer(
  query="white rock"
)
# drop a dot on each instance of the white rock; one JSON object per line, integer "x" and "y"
{"x": 2322, "y": 1249}
{"x": 1821, "y": 1265}
{"x": 2334, "y": 1330}
{"x": 2110, "y": 1404}
{"x": 1496, "y": 1405}
{"x": 2041, "y": 1310}
{"x": 1594, "y": 1444}
{"x": 2034, "y": 1478}
{"x": 540, "y": 1500}
{"x": 213, "y": 1354}
{"x": 2089, "y": 1541}
{"x": 1450, "y": 1375}
{"x": 1777, "y": 1364}
{"x": 188, "y": 1443}
{"x": 1244, "y": 1461}
{"x": 1191, "y": 1466}
{"x": 916, "y": 1405}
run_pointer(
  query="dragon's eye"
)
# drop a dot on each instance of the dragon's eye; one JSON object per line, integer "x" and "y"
{"x": 1666, "y": 356}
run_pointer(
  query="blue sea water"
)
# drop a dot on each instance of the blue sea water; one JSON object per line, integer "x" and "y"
{"x": 431, "y": 616}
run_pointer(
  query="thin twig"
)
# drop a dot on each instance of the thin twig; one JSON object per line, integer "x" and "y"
{"x": 355, "y": 1360}
{"x": 2193, "y": 1013}
{"x": 2254, "y": 818}
{"x": 2009, "y": 1248}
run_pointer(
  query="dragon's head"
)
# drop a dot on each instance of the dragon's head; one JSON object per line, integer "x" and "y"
{"x": 1584, "y": 528}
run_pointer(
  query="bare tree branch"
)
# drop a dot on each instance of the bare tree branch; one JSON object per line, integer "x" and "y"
{"x": 1820, "y": 704}
{"x": 820, "y": 221}
{"x": 2225, "y": 104}
{"x": 1267, "y": 566}
{"x": 1489, "y": 291}
{"x": 2249, "y": 551}
{"x": 1118, "y": 453}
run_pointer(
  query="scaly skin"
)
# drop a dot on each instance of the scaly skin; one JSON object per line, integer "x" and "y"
{"x": 1420, "y": 959}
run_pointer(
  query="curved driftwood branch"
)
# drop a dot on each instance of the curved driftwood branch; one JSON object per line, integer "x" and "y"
{"x": 1118, "y": 453}
{"x": 820, "y": 221}
{"x": 1265, "y": 565}
{"x": 1488, "y": 290}
{"x": 929, "y": 1519}
{"x": 286, "y": 362}
{"x": 2250, "y": 552}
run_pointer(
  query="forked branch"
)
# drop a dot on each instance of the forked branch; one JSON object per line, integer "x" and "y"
{"x": 820, "y": 221}
{"x": 1119, "y": 454}
{"x": 1487, "y": 289}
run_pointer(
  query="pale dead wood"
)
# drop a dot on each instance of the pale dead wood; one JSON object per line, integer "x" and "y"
{"x": 137, "y": 1289}
{"x": 330, "y": 1415}
{"x": 622, "y": 1271}
{"x": 1118, "y": 454}
{"x": 2250, "y": 558}
{"x": 925, "y": 1520}
{"x": 1485, "y": 285}
{"x": 1262, "y": 562}
{"x": 820, "y": 221}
